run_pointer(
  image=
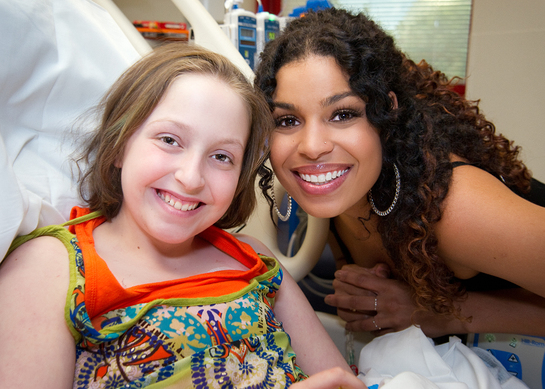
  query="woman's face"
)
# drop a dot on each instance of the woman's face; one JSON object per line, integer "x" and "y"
{"x": 324, "y": 151}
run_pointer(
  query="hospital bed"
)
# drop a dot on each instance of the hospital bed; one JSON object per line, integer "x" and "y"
{"x": 74, "y": 50}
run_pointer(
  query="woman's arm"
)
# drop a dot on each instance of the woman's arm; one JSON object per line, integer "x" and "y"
{"x": 509, "y": 311}
{"x": 314, "y": 348}
{"x": 37, "y": 349}
{"x": 485, "y": 228}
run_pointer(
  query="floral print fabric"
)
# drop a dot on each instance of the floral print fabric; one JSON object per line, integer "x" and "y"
{"x": 232, "y": 341}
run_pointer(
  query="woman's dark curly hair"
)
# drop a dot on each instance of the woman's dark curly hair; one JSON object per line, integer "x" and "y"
{"x": 431, "y": 123}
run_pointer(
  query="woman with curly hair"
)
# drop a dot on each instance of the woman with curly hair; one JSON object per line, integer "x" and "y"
{"x": 429, "y": 207}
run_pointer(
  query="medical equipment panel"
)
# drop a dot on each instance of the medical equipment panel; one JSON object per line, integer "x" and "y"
{"x": 523, "y": 356}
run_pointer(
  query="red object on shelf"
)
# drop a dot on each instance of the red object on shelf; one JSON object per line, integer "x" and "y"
{"x": 172, "y": 25}
{"x": 151, "y": 29}
{"x": 271, "y": 6}
{"x": 460, "y": 89}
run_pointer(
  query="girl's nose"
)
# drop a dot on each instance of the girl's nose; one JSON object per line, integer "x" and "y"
{"x": 314, "y": 141}
{"x": 190, "y": 173}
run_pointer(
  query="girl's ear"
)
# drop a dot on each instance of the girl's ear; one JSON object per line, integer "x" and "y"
{"x": 118, "y": 163}
{"x": 393, "y": 97}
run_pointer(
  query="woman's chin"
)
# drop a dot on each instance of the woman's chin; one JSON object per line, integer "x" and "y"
{"x": 321, "y": 211}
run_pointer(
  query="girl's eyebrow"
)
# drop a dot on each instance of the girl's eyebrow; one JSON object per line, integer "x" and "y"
{"x": 324, "y": 103}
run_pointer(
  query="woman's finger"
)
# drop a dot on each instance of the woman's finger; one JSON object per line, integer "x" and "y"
{"x": 354, "y": 303}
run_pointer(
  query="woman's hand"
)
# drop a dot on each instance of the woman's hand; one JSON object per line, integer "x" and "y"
{"x": 369, "y": 301}
{"x": 335, "y": 378}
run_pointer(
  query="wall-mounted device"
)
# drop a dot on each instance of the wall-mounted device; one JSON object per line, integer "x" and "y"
{"x": 241, "y": 28}
{"x": 268, "y": 28}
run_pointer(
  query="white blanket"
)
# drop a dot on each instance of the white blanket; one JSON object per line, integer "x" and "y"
{"x": 57, "y": 59}
{"x": 408, "y": 359}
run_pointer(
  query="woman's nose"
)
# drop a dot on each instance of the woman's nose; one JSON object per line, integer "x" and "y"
{"x": 314, "y": 141}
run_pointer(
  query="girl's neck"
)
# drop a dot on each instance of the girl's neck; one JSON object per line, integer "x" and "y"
{"x": 124, "y": 233}
{"x": 143, "y": 261}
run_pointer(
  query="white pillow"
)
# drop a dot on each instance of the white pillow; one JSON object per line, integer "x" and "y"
{"x": 57, "y": 59}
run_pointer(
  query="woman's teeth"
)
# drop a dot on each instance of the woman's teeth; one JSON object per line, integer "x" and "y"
{"x": 322, "y": 178}
{"x": 176, "y": 204}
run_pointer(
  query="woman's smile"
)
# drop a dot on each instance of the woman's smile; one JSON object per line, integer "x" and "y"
{"x": 322, "y": 178}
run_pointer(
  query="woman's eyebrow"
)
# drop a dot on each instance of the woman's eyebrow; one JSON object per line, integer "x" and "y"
{"x": 279, "y": 104}
{"x": 335, "y": 98}
{"x": 324, "y": 103}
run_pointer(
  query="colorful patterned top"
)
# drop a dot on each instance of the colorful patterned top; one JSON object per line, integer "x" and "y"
{"x": 216, "y": 330}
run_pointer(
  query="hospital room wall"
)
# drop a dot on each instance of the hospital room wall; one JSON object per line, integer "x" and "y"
{"x": 506, "y": 70}
{"x": 506, "y": 64}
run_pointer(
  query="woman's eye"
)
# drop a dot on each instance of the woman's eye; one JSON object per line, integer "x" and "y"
{"x": 342, "y": 116}
{"x": 286, "y": 121}
{"x": 169, "y": 140}
{"x": 222, "y": 157}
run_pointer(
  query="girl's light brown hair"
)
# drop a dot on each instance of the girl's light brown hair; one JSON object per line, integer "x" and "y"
{"x": 131, "y": 100}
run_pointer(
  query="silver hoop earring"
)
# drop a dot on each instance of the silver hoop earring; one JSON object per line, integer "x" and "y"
{"x": 396, "y": 196}
{"x": 276, "y": 209}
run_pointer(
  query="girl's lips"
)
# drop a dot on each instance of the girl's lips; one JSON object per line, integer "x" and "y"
{"x": 177, "y": 203}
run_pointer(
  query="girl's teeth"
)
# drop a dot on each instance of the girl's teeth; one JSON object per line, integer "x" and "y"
{"x": 322, "y": 178}
{"x": 176, "y": 204}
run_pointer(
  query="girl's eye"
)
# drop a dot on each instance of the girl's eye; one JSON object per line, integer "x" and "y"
{"x": 222, "y": 158}
{"x": 344, "y": 115}
{"x": 169, "y": 140}
{"x": 286, "y": 121}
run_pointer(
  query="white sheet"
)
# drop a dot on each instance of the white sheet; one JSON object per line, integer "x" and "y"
{"x": 408, "y": 359}
{"x": 57, "y": 58}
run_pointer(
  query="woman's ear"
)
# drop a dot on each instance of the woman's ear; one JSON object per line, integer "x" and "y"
{"x": 393, "y": 97}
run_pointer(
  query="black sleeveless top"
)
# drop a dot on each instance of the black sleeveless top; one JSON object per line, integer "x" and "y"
{"x": 482, "y": 281}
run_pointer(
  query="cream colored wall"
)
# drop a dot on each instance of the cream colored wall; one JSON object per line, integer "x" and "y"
{"x": 165, "y": 10}
{"x": 161, "y": 10}
{"x": 506, "y": 70}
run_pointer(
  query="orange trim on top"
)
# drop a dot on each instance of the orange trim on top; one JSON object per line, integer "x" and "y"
{"x": 104, "y": 293}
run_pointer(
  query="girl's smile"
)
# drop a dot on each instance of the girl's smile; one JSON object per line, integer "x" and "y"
{"x": 177, "y": 203}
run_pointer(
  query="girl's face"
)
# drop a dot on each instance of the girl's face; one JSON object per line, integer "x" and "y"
{"x": 324, "y": 150}
{"x": 180, "y": 169}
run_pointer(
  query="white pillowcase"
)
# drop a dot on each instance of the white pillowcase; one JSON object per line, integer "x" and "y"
{"x": 57, "y": 59}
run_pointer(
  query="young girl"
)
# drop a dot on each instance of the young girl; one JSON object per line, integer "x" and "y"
{"x": 414, "y": 179}
{"x": 145, "y": 289}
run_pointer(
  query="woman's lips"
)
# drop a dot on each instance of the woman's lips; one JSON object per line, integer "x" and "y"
{"x": 322, "y": 182}
{"x": 322, "y": 178}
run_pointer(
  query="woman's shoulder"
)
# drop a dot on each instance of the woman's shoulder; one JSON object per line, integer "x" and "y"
{"x": 473, "y": 187}
{"x": 484, "y": 223}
